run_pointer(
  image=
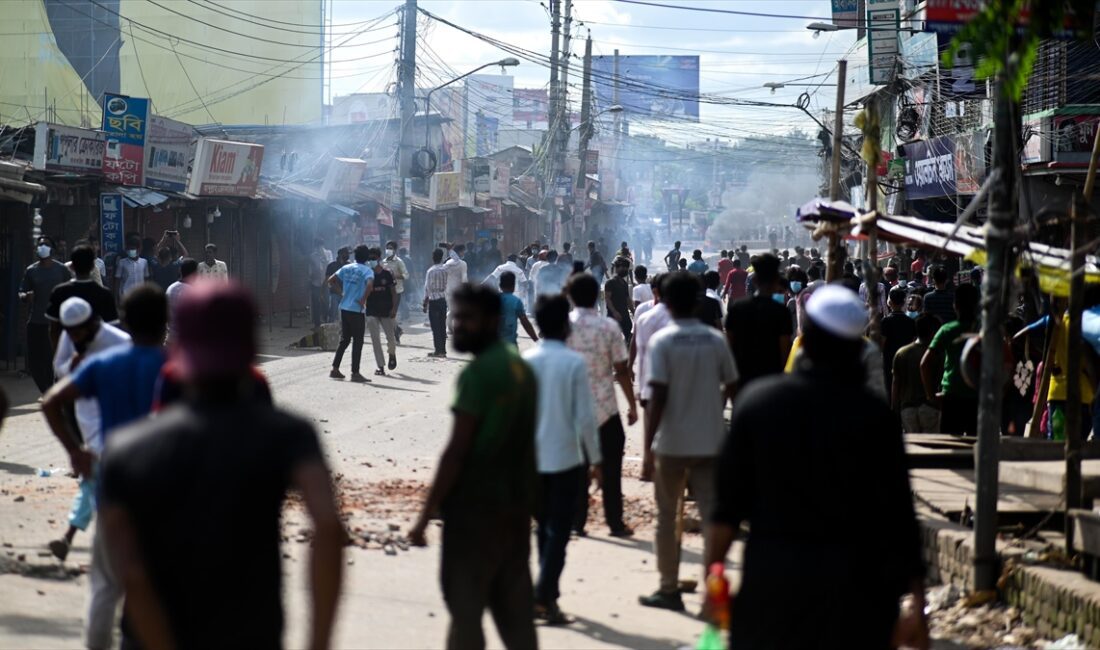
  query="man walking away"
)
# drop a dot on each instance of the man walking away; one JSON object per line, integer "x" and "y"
{"x": 456, "y": 277}
{"x": 710, "y": 307}
{"x": 396, "y": 266}
{"x": 697, "y": 265}
{"x": 642, "y": 293}
{"x": 759, "y": 328}
{"x": 319, "y": 260}
{"x": 566, "y": 426}
{"x": 485, "y": 484}
{"x": 512, "y": 311}
{"x": 601, "y": 343}
{"x": 435, "y": 302}
{"x": 786, "y": 488}
{"x": 619, "y": 306}
{"x": 551, "y": 277}
{"x": 122, "y": 382}
{"x": 736, "y": 285}
{"x": 672, "y": 258}
{"x": 381, "y": 313}
{"x": 207, "y": 476}
{"x": 958, "y": 402}
{"x": 38, "y": 283}
{"x": 897, "y": 330}
{"x": 84, "y": 334}
{"x": 355, "y": 281}
{"x": 342, "y": 257}
{"x": 691, "y": 376}
{"x": 940, "y": 301}
{"x": 918, "y": 414}
{"x": 189, "y": 272}
{"x": 566, "y": 257}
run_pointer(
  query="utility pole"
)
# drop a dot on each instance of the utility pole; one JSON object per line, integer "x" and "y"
{"x": 583, "y": 139}
{"x": 564, "y": 123}
{"x": 834, "y": 259}
{"x": 553, "y": 133}
{"x": 407, "y": 104}
{"x": 999, "y": 232}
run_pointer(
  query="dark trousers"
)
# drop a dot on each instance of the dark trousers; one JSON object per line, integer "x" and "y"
{"x": 612, "y": 443}
{"x": 627, "y": 326}
{"x": 960, "y": 415}
{"x": 352, "y": 328}
{"x": 557, "y": 507}
{"x": 318, "y": 304}
{"x": 437, "y": 317}
{"x": 485, "y": 565}
{"x": 40, "y": 355}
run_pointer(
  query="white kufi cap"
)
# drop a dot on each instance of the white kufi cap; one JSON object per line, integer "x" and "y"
{"x": 75, "y": 311}
{"x": 838, "y": 311}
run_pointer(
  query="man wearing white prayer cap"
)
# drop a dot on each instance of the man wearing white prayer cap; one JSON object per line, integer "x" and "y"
{"x": 85, "y": 334}
{"x": 802, "y": 450}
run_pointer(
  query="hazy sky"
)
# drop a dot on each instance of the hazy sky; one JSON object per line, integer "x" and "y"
{"x": 738, "y": 54}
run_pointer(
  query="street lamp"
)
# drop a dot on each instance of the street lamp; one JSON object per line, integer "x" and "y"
{"x": 776, "y": 85}
{"x": 614, "y": 108}
{"x": 817, "y": 28}
{"x": 510, "y": 62}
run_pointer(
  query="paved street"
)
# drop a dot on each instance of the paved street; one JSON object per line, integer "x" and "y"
{"x": 383, "y": 448}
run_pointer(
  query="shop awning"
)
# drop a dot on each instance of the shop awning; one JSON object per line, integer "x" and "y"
{"x": 141, "y": 197}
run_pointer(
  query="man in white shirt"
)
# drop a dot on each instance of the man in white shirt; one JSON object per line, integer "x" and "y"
{"x": 456, "y": 277}
{"x": 642, "y": 292}
{"x": 85, "y": 335}
{"x": 566, "y": 427}
{"x": 691, "y": 376}
{"x": 189, "y": 269}
{"x": 511, "y": 265}
{"x": 130, "y": 271}
{"x": 211, "y": 267}
{"x": 652, "y": 320}
{"x": 396, "y": 266}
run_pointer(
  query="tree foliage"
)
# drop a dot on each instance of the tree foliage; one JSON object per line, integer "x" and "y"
{"x": 1001, "y": 42}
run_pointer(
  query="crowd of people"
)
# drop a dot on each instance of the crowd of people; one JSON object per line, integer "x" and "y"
{"x": 531, "y": 433}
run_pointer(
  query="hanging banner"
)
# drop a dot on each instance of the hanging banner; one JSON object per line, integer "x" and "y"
{"x": 224, "y": 168}
{"x": 168, "y": 153}
{"x": 110, "y": 224}
{"x": 499, "y": 179}
{"x": 68, "y": 149}
{"x": 125, "y": 120}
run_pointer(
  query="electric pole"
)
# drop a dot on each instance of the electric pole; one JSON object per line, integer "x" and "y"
{"x": 407, "y": 104}
{"x": 553, "y": 132}
{"x": 564, "y": 123}
{"x": 583, "y": 139}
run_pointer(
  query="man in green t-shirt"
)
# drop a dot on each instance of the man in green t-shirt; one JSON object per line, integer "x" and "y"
{"x": 485, "y": 483}
{"x": 957, "y": 400}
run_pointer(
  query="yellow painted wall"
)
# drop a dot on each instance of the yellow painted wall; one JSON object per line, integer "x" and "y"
{"x": 236, "y": 89}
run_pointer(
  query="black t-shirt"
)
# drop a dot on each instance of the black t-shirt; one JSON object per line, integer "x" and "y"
{"x": 333, "y": 267}
{"x": 710, "y": 312}
{"x": 380, "y": 300}
{"x": 203, "y": 485}
{"x": 898, "y": 330}
{"x": 165, "y": 274}
{"x": 618, "y": 294}
{"x": 100, "y": 298}
{"x": 756, "y": 323}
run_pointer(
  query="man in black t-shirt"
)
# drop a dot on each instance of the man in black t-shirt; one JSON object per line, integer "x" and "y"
{"x": 898, "y": 330}
{"x": 382, "y": 312}
{"x": 83, "y": 286}
{"x": 759, "y": 327}
{"x": 620, "y": 306}
{"x": 709, "y": 310}
{"x": 191, "y": 500}
{"x": 343, "y": 256}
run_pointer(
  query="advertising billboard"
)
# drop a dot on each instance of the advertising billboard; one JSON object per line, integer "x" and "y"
{"x": 446, "y": 188}
{"x": 930, "y": 168}
{"x": 342, "y": 178}
{"x": 68, "y": 149}
{"x": 531, "y": 106}
{"x": 125, "y": 120}
{"x": 224, "y": 168}
{"x": 499, "y": 179}
{"x": 110, "y": 224}
{"x": 168, "y": 152}
{"x": 649, "y": 86}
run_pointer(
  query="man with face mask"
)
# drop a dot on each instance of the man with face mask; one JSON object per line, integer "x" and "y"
{"x": 130, "y": 271}
{"x": 84, "y": 334}
{"x": 396, "y": 266}
{"x": 38, "y": 283}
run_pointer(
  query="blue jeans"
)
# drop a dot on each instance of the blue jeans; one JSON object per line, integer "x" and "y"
{"x": 83, "y": 505}
{"x": 557, "y": 507}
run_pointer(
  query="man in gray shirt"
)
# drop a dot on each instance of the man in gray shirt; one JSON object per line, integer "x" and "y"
{"x": 692, "y": 374}
{"x": 38, "y": 283}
